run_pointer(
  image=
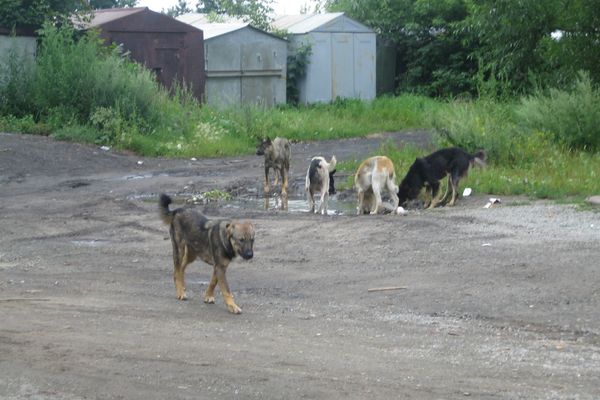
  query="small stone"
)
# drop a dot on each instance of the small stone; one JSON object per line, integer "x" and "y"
{"x": 593, "y": 200}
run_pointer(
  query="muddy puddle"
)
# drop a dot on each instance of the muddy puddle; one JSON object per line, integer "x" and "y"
{"x": 294, "y": 204}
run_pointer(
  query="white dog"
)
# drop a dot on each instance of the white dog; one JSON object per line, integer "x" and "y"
{"x": 319, "y": 178}
{"x": 372, "y": 176}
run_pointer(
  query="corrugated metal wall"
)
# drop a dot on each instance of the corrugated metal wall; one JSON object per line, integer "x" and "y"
{"x": 172, "y": 49}
{"x": 342, "y": 65}
{"x": 245, "y": 67}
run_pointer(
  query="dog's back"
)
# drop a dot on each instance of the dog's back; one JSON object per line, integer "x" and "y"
{"x": 444, "y": 161}
{"x": 379, "y": 166}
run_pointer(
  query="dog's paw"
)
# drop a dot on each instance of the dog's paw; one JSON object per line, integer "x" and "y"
{"x": 234, "y": 309}
{"x": 209, "y": 299}
{"x": 182, "y": 296}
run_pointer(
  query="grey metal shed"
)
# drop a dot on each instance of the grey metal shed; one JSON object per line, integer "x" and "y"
{"x": 244, "y": 65}
{"x": 343, "y": 57}
{"x": 172, "y": 49}
{"x": 19, "y": 43}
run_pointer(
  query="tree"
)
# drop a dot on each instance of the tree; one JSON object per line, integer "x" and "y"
{"x": 432, "y": 57}
{"x": 179, "y": 9}
{"x": 32, "y": 13}
{"x": 99, "y": 4}
{"x": 506, "y": 37}
{"x": 257, "y": 12}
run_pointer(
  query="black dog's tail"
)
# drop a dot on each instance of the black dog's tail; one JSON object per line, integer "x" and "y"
{"x": 479, "y": 158}
{"x": 163, "y": 207}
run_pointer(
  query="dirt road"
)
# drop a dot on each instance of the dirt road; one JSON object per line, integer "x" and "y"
{"x": 499, "y": 303}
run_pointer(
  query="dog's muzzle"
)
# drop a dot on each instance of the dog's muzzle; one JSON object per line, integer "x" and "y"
{"x": 247, "y": 255}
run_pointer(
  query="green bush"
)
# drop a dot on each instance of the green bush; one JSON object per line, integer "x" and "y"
{"x": 572, "y": 117}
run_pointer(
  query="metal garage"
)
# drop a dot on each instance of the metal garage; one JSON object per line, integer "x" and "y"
{"x": 172, "y": 49}
{"x": 343, "y": 57}
{"x": 244, "y": 65}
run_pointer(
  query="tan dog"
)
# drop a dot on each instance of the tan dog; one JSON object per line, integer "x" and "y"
{"x": 277, "y": 154}
{"x": 372, "y": 176}
{"x": 215, "y": 242}
{"x": 319, "y": 178}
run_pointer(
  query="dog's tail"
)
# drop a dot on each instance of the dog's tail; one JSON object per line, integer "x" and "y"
{"x": 479, "y": 158}
{"x": 163, "y": 208}
{"x": 332, "y": 164}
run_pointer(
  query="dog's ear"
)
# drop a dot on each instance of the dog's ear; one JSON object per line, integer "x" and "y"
{"x": 229, "y": 227}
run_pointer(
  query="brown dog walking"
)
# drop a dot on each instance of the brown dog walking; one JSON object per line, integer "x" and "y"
{"x": 215, "y": 242}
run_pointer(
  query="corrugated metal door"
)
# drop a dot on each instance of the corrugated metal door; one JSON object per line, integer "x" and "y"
{"x": 364, "y": 66}
{"x": 318, "y": 74}
{"x": 258, "y": 69}
{"x": 342, "y": 71}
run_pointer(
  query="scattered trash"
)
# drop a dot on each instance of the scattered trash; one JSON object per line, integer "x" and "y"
{"x": 193, "y": 159}
{"x": 401, "y": 211}
{"x": 491, "y": 202}
{"x": 140, "y": 162}
{"x": 383, "y": 289}
{"x": 105, "y": 148}
{"x": 467, "y": 192}
{"x": 486, "y": 244}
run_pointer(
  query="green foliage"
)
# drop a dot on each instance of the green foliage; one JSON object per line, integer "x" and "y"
{"x": 76, "y": 78}
{"x": 180, "y": 8}
{"x": 25, "y": 124}
{"x": 570, "y": 117}
{"x": 257, "y": 12}
{"x": 33, "y": 13}
{"x": 297, "y": 63}
{"x": 507, "y": 45}
{"x": 99, "y": 4}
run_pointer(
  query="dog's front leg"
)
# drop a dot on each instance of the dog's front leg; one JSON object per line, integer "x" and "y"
{"x": 209, "y": 295}
{"x": 224, "y": 286}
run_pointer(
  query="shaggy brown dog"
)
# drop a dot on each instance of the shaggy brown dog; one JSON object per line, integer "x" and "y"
{"x": 277, "y": 154}
{"x": 216, "y": 242}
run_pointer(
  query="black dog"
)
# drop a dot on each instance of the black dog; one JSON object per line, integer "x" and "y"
{"x": 428, "y": 171}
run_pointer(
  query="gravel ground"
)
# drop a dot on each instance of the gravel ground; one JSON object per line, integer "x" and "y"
{"x": 498, "y": 303}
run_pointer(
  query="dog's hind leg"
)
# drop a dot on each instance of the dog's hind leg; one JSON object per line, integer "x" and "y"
{"x": 324, "y": 200}
{"x": 453, "y": 181}
{"x": 361, "y": 199}
{"x": 443, "y": 199}
{"x": 393, "y": 190}
{"x": 224, "y": 286}
{"x": 311, "y": 200}
{"x": 284, "y": 181}
{"x": 266, "y": 185}
{"x": 180, "y": 261}
{"x": 377, "y": 195}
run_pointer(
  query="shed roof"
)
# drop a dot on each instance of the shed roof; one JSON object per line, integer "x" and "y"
{"x": 149, "y": 21}
{"x": 215, "y": 29}
{"x": 327, "y": 22}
